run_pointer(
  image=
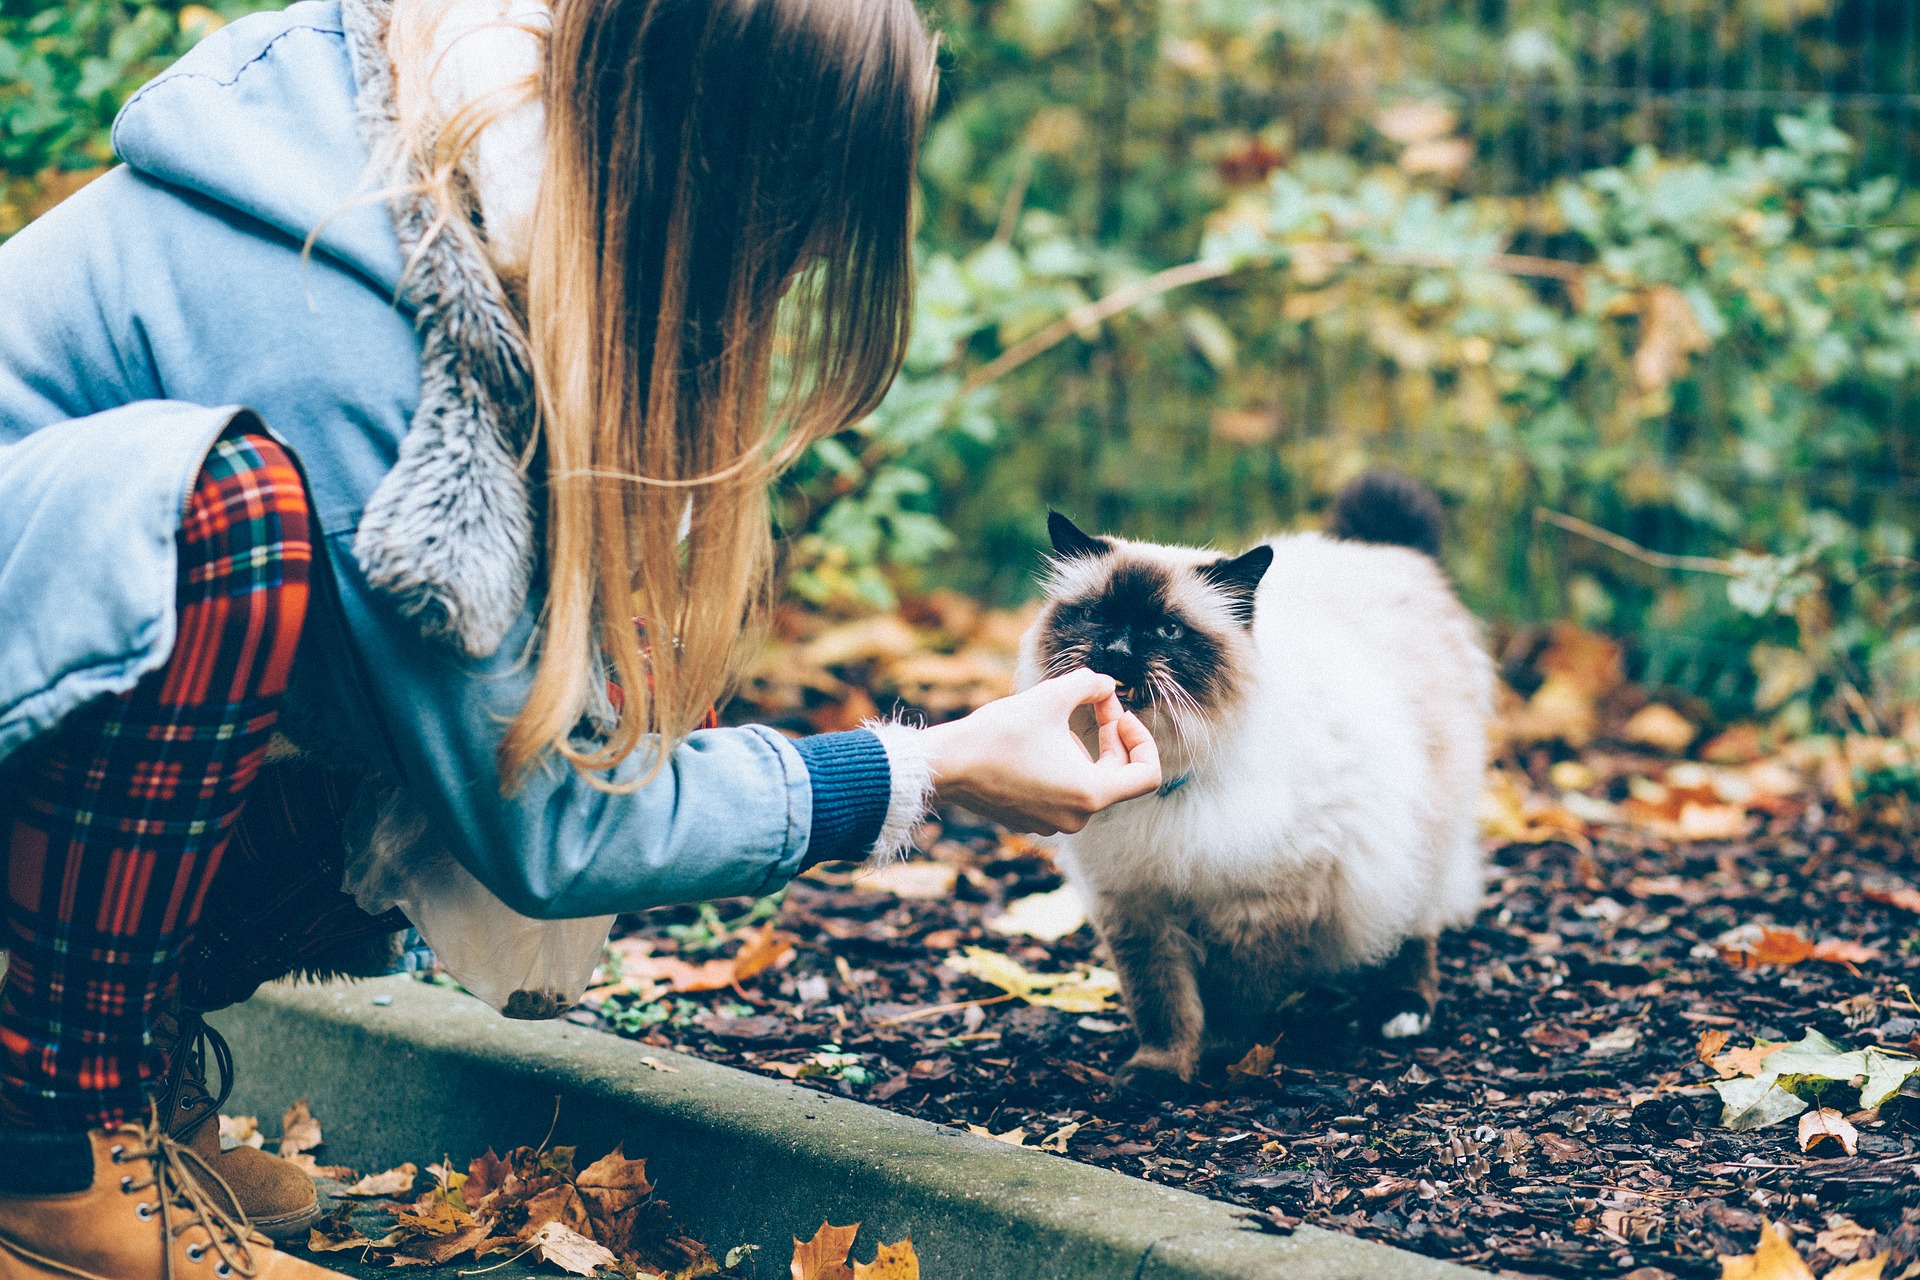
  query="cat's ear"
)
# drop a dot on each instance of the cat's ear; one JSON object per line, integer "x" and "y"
{"x": 1070, "y": 541}
{"x": 1238, "y": 578}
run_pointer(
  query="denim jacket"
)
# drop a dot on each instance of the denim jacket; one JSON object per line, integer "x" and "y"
{"x": 141, "y": 316}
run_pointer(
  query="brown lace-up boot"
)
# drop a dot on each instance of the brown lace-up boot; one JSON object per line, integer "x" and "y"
{"x": 124, "y": 1204}
{"x": 277, "y": 1198}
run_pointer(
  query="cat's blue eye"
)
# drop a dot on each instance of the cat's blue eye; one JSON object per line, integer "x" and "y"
{"x": 1171, "y": 631}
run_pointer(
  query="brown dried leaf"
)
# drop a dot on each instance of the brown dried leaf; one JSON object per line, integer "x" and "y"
{"x": 1842, "y": 951}
{"x": 485, "y": 1175}
{"x": 1255, "y": 1064}
{"x": 394, "y": 1182}
{"x": 614, "y": 1184}
{"x": 1659, "y": 726}
{"x": 1711, "y": 1042}
{"x": 241, "y": 1131}
{"x": 1824, "y": 1126}
{"x": 572, "y": 1252}
{"x": 1844, "y": 1239}
{"x": 559, "y": 1203}
{"x": 299, "y": 1131}
{"x": 1773, "y": 1259}
{"x": 1012, "y": 1137}
{"x": 893, "y": 1262}
{"x": 1768, "y": 946}
{"x": 1745, "y": 1062}
{"x": 825, "y": 1256}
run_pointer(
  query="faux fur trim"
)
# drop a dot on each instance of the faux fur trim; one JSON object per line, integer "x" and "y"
{"x": 911, "y": 799}
{"x": 449, "y": 533}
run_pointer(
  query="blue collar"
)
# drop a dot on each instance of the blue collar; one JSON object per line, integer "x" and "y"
{"x": 1172, "y": 785}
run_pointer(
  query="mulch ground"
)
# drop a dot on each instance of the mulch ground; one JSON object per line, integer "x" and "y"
{"x": 1556, "y": 1120}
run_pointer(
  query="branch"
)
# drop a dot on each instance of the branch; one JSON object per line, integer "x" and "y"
{"x": 1631, "y": 549}
{"x": 1092, "y": 314}
{"x": 1123, "y": 299}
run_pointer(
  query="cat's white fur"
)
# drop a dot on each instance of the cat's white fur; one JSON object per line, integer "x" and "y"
{"x": 1335, "y": 797}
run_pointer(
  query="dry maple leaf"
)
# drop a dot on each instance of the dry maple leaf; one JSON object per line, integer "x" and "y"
{"x": 1775, "y": 1259}
{"x": 893, "y": 1262}
{"x": 1745, "y": 1062}
{"x": 1012, "y": 1137}
{"x": 394, "y": 1182}
{"x": 825, "y": 1256}
{"x": 1844, "y": 952}
{"x": 1712, "y": 1041}
{"x": 1844, "y": 1239}
{"x": 1824, "y": 1126}
{"x": 570, "y": 1251}
{"x": 761, "y": 951}
{"x": 1256, "y": 1064}
{"x": 299, "y": 1131}
{"x": 1765, "y": 945}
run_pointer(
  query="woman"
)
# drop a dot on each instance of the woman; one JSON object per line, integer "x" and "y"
{"x": 525, "y": 310}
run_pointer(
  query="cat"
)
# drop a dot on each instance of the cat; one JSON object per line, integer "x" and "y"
{"x": 1321, "y": 706}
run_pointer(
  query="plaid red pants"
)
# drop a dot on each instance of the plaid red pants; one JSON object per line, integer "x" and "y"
{"x": 120, "y": 816}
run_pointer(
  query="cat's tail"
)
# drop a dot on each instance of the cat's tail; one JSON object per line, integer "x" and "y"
{"x": 1387, "y": 507}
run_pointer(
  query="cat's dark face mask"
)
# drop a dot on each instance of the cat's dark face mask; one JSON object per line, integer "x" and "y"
{"x": 1130, "y": 627}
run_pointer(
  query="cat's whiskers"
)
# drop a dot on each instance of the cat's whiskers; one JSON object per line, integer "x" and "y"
{"x": 1181, "y": 711}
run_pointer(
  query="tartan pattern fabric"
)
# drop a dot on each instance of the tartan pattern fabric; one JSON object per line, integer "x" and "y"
{"x": 119, "y": 817}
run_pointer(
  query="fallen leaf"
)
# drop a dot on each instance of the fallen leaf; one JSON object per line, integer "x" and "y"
{"x": 1089, "y": 990}
{"x": 1745, "y": 1062}
{"x": 1046, "y": 916}
{"x": 1776, "y": 1259}
{"x": 1255, "y": 1064}
{"x": 1012, "y": 1137}
{"x": 1659, "y": 726}
{"x": 1058, "y": 1139}
{"x": 921, "y": 881}
{"x": 893, "y": 1262}
{"x": 1843, "y": 1238}
{"x": 1841, "y": 951}
{"x": 570, "y": 1251}
{"x": 1825, "y": 1126}
{"x": 394, "y": 1182}
{"x": 613, "y": 1184}
{"x": 299, "y": 1131}
{"x": 241, "y": 1131}
{"x": 1711, "y": 1042}
{"x": 306, "y": 1164}
{"x": 1751, "y": 946}
{"x": 1619, "y": 1040}
{"x": 1895, "y": 896}
{"x": 825, "y": 1256}
{"x": 1773, "y": 1259}
{"x": 760, "y": 952}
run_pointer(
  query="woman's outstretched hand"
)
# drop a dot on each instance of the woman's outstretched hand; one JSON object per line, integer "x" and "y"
{"x": 1019, "y": 762}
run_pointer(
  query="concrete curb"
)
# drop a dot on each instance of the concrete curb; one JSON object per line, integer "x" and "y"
{"x": 399, "y": 1070}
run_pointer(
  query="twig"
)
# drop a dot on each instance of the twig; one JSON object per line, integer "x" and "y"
{"x": 1631, "y": 549}
{"x": 555, "y": 1124}
{"x": 1092, "y": 314}
{"x": 1016, "y": 199}
{"x": 480, "y": 1271}
{"x": 1129, "y": 296}
{"x": 934, "y": 1010}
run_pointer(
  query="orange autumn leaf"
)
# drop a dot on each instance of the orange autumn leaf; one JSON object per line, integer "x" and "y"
{"x": 1745, "y": 1062}
{"x": 825, "y": 1256}
{"x": 761, "y": 951}
{"x": 1841, "y": 951}
{"x": 893, "y": 1262}
{"x": 1712, "y": 1041}
{"x": 1772, "y": 946}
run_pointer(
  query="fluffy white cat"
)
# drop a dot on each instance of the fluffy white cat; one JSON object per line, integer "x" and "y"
{"x": 1321, "y": 708}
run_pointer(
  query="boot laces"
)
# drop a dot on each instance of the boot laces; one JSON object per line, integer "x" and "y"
{"x": 184, "y": 1092}
{"x": 178, "y": 1174}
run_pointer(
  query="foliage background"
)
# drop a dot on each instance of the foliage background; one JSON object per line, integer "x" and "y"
{"x": 1650, "y": 265}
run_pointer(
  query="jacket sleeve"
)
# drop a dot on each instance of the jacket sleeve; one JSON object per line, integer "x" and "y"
{"x": 736, "y": 811}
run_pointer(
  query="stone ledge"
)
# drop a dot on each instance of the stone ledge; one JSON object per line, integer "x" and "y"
{"x": 742, "y": 1159}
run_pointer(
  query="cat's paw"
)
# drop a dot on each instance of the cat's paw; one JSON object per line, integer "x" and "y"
{"x": 1149, "y": 1079}
{"x": 1405, "y": 1026}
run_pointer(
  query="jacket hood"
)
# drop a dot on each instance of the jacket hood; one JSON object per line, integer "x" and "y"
{"x": 260, "y": 117}
{"x": 288, "y": 118}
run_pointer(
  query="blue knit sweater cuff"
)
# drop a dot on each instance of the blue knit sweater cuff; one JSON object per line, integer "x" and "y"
{"x": 852, "y": 786}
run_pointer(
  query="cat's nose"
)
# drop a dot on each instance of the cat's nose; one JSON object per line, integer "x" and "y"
{"x": 1118, "y": 645}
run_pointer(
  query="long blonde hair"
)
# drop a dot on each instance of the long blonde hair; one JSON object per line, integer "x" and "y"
{"x": 726, "y": 206}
